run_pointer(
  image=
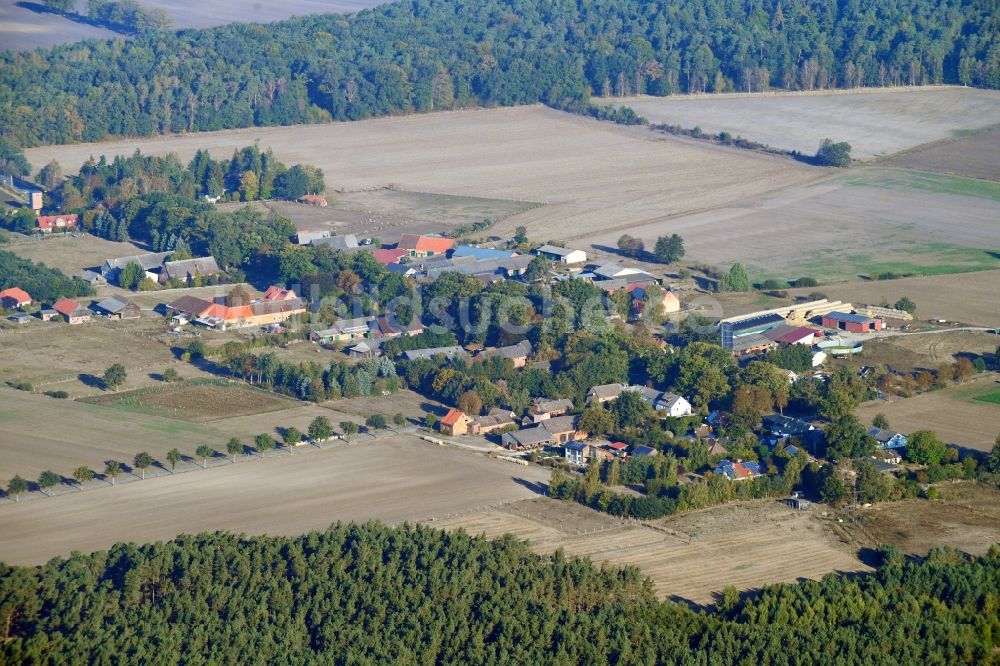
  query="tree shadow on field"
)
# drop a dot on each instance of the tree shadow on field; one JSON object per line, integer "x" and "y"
{"x": 429, "y": 408}
{"x": 533, "y": 486}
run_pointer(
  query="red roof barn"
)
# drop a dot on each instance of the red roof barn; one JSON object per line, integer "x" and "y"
{"x": 14, "y": 298}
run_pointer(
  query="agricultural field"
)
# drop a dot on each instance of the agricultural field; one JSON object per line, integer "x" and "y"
{"x": 876, "y": 122}
{"x": 954, "y": 413}
{"x": 196, "y": 401}
{"x": 924, "y": 350}
{"x": 974, "y": 155}
{"x": 968, "y": 299}
{"x": 689, "y": 557}
{"x": 591, "y": 176}
{"x": 967, "y": 517}
{"x": 392, "y": 480}
{"x": 847, "y": 225}
{"x": 22, "y": 28}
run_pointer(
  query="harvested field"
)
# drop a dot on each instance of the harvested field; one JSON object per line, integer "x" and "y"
{"x": 966, "y": 517}
{"x": 22, "y": 29}
{"x": 396, "y": 480}
{"x": 909, "y": 352}
{"x": 875, "y": 122}
{"x": 692, "y": 556}
{"x": 197, "y": 402}
{"x": 952, "y": 413}
{"x": 68, "y": 254}
{"x": 969, "y": 299}
{"x": 862, "y": 222}
{"x": 593, "y": 175}
{"x": 974, "y": 156}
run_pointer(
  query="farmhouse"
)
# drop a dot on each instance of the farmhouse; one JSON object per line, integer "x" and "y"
{"x": 49, "y": 223}
{"x": 562, "y": 254}
{"x": 344, "y": 243}
{"x": 343, "y": 329}
{"x": 518, "y": 353}
{"x": 425, "y": 246}
{"x": 150, "y": 262}
{"x": 496, "y": 418}
{"x": 223, "y": 317}
{"x": 118, "y": 307}
{"x": 15, "y": 297}
{"x": 188, "y": 269}
{"x": 307, "y": 237}
{"x": 604, "y": 393}
{"x": 543, "y": 409}
{"x": 431, "y": 352}
{"x": 738, "y": 471}
{"x": 71, "y": 311}
{"x": 550, "y": 431}
{"x": 888, "y": 439}
{"x": 455, "y": 422}
{"x": 853, "y": 323}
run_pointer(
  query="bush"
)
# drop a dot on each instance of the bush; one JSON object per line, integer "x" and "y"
{"x": 61, "y": 395}
{"x": 22, "y": 386}
{"x": 806, "y": 282}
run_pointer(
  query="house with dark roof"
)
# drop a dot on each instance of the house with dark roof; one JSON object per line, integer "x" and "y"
{"x": 494, "y": 420}
{"x": 555, "y": 430}
{"x": 118, "y": 307}
{"x": 853, "y": 323}
{"x": 188, "y": 269}
{"x": 71, "y": 311}
{"x": 545, "y": 408}
{"x": 738, "y": 471}
{"x": 518, "y": 353}
{"x": 888, "y": 439}
{"x": 575, "y": 453}
{"x": 344, "y": 243}
{"x": 149, "y": 262}
{"x": 604, "y": 393}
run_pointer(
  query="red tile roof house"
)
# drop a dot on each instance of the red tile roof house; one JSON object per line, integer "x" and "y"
{"x": 14, "y": 298}
{"x": 455, "y": 422}
{"x": 389, "y": 256}
{"x": 48, "y": 223}
{"x": 71, "y": 311}
{"x": 425, "y": 246}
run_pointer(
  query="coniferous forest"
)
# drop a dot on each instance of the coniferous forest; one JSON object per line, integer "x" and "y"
{"x": 369, "y": 594}
{"x": 424, "y": 55}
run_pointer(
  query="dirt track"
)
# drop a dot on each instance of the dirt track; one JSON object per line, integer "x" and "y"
{"x": 404, "y": 479}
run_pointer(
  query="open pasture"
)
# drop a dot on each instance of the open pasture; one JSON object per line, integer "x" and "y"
{"x": 876, "y": 122}
{"x": 593, "y": 176}
{"x": 69, "y": 254}
{"x": 953, "y": 413}
{"x": 394, "y": 480}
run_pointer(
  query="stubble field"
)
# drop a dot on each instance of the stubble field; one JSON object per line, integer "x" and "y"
{"x": 394, "y": 480}
{"x": 876, "y": 122}
{"x": 975, "y": 156}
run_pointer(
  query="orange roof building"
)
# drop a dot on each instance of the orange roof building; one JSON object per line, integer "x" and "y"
{"x": 425, "y": 246}
{"x": 48, "y": 223}
{"x": 15, "y": 297}
{"x": 455, "y": 422}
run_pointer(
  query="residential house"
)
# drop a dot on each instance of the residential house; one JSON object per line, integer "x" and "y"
{"x": 494, "y": 420}
{"x": 738, "y": 471}
{"x": 544, "y": 408}
{"x": 455, "y": 422}
{"x": 715, "y": 447}
{"x": 189, "y": 269}
{"x": 314, "y": 200}
{"x": 782, "y": 427}
{"x": 518, "y": 353}
{"x": 888, "y": 439}
{"x": 71, "y": 311}
{"x": 223, "y": 317}
{"x": 276, "y": 293}
{"x": 425, "y": 246}
{"x": 555, "y": 430}
{"x": 562, "y": 254}
{"x": 386, "y": 256}
{"x": 604, "y": 393}
{"x": 618, "y": 449}
{"x": 674, "y": 405}
{"x": 431, "y": 352}
{"x": 307, "y": 237}
{"x": 576, "y": 453}
{"x": 49, "y": 223}
{"x": 889, "y": 456}
{"x": 343, "y": 330}
{"x": 14, "y": 297}
{"x": 669, "y": 300}
{"x": 386, "y": 328}
{"x": 344, "y": 243}
{"x": 118, "y": 307}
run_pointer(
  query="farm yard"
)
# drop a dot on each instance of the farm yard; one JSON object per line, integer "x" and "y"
{"x": 968, "y": 299}
{"x": 876, "y": 122}
{"x": 953, "y": 413}
{"x": 393, "y": 480}
{"x": 691, "y": 556}
{"x": 973, "y": 155}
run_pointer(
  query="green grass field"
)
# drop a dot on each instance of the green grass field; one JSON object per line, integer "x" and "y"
{"x": 991, "y": 397}
{"x": 906, "y": 179}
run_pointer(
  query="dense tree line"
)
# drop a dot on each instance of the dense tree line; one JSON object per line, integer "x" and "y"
{"x": 433, "y": 54}
{"x": 44, "y": 284}
{"x": 371, "y": 594}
